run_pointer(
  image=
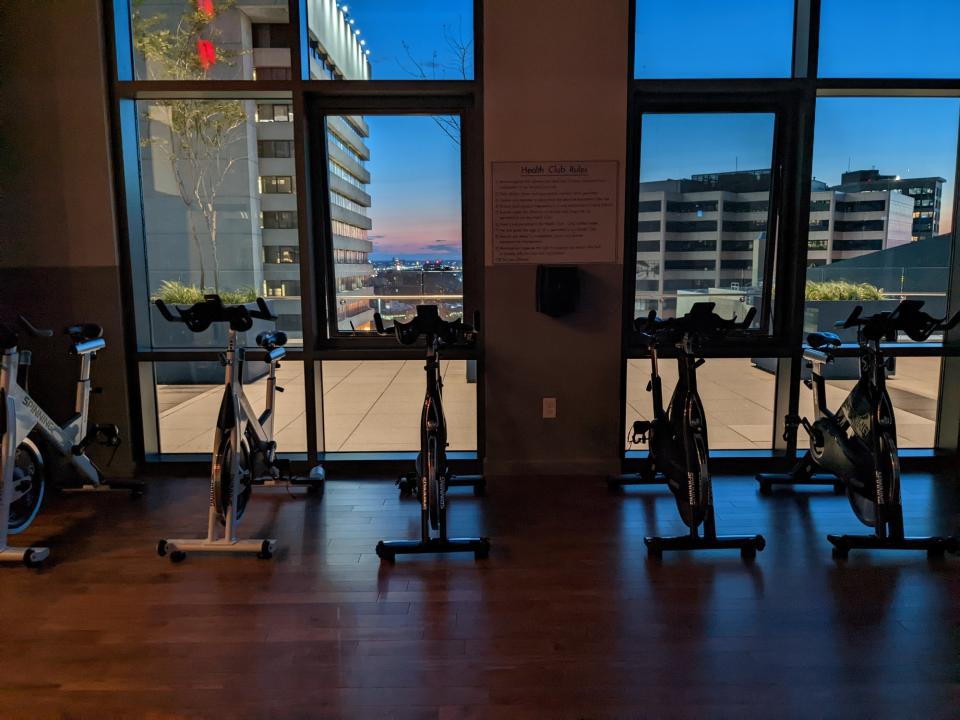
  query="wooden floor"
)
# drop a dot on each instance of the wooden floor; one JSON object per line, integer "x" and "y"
{"x": 566, "y": 619}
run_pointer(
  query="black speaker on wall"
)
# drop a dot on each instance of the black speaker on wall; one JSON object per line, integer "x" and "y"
{"x": 558, "y": 289}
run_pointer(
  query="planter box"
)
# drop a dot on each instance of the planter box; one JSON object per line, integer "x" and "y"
{"x": 168, "y": 335}
{"x": 821, "y": 316}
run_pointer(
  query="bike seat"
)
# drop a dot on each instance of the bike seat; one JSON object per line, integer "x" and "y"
{"x": 271, "y": 339}
{"x": 86, "y": 331}
{"x": 818, "y": 340}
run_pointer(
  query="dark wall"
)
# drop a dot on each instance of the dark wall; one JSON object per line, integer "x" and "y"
{"x": 58, "y": 261}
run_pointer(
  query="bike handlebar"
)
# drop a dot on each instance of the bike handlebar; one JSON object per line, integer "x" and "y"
{"x": 199, "y": 316}
{"x": 906, "y": 317}
{"x": 701, "y": 321}
{"x": 33, "y": 331}
{"x": 428, "y": 322}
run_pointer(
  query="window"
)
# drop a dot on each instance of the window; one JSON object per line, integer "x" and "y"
{"x": 854, "y": 33}
{"x": 691, "y": 165}
{"x": 274, "y": 148}
{"x": 177, "y": 40}
{"x": 272, "y": 73}
{"x": 281, "y": 288}
{"x": 281, "y": 254}
{"x": 275, "y": 184}
{"x": 242, "y": 236}
{"x": 274, "y": 113}
{"x": 710, "y": 39}
{"x": 400, "y": 245}
{"x": 873, "y": 153}
{"x": 429, "y": 40}
{"x": 278, "y": 219}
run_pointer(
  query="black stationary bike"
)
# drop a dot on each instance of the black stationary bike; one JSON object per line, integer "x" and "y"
{"x": 857, "y": 445}
{"x": 433, "y": 475}
{"x": 677, "y": 436}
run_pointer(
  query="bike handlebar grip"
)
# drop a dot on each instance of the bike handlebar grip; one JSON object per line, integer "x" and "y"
{"x": 165, "y": 311}
{"x": 264, "y": 311}
{"x": 851, "y": 321}
{"x": 36, "y": 332}
{"x": 953, "y": 322}
{"x": 378, "y": 321}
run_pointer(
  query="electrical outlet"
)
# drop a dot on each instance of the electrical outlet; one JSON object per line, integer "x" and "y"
{"x": 549, "y": 408}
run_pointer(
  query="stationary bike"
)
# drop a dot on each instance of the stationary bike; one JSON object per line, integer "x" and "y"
{"x": 677, "y": 436}
{"x": 857, "y": 445}
{"x": 244, "y": 451}
{"x": 432, "y": 472}
{"x": 30, "y": 436}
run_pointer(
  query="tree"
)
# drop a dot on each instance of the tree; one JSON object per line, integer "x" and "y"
{"x": 201, "y": 140}
{"x": 456, "y": 64}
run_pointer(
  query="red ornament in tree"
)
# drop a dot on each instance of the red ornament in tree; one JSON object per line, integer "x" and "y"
{"x": 206, "y": 7}
{"x": 206, "y": 53}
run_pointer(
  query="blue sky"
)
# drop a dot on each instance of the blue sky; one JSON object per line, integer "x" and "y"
{"x": 415, "y": 168}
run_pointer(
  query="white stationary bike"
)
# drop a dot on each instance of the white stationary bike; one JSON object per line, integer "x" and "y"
{"x": 25, "y": 428}
{"x": 244, "y": 451}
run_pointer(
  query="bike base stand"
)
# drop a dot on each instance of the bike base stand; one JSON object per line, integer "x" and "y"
{"x": 768, "y": 480}
{"x": 178, "y": 549}
{"x": 389, "y": 549}
{"x": 936, "y": 547}
{"x": 29, "y": 556}
{"x": 618, "y": 482}
{"x": 748, "y": 545}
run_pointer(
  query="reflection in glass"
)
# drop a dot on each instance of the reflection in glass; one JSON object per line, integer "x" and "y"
{"x": 218, "y": 217}
{"x": 426, "y": 40}
{"x": 703, "y": 212}
{"x": 881, "y": 209}
{"x": 710, "y": 39}
{"x": 189, "y": 395}
{"x": 395, "y": 217}
{"x": 737, "y": 396}
{"x": 375, "y": 405}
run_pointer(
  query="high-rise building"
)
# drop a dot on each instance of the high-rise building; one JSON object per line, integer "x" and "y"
{"x": 926, "y": 194}
{"x": 709, "y": 232}
{"x": 258, "y": 245}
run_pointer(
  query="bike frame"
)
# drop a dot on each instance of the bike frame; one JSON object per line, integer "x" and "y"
{"x": 872, "y": 384}
{"x": 433, "y": 431}
{"x": 29, "y": 415}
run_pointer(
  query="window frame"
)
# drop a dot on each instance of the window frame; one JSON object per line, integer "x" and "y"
{"x": 794, "y": 155}
{"x": 315, "y": 249}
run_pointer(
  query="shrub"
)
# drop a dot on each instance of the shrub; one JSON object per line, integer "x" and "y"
{"x": 174, "y": 292}
{"x": 842, "y": 290}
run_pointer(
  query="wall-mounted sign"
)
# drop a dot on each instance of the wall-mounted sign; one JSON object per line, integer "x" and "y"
{"x": 555, "y": 212}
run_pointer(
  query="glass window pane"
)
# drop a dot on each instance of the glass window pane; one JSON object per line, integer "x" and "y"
{"x": 703, "y": 212}
{"x": 737, "y": 396}
{"x": 913, "y": 384}
{"x": 375, "y": 405}
{"x": 211, "y": 40}
{"x": 395, "y": 213}
{"x": 213, "y": 210}
{"x": 374, "y": 40}
{"x": 887, "y": 38}
{"x": 710, "y": 39}
{"x": 882, "y": 205}
{"x": 189, "y": 395}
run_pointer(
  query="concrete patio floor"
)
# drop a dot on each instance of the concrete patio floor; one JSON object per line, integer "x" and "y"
{"x": 738, "y": 399}
{"x": 367, "y": 405}
{"x": 375, "y": 405}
